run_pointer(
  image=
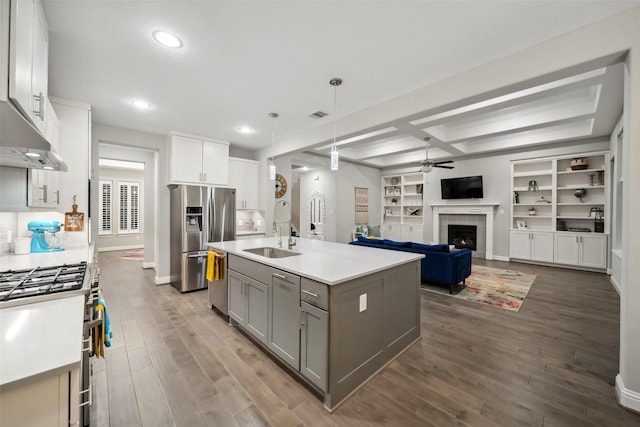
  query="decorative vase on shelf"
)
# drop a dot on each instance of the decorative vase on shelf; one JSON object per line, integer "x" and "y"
{"x": 532, "y": 211}
{"x": 533, "y": 185}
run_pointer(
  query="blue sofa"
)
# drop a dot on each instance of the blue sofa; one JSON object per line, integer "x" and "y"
{"x": 439, "y": 266}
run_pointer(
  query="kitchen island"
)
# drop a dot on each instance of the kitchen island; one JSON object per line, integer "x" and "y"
{"x": 335, "y": 314}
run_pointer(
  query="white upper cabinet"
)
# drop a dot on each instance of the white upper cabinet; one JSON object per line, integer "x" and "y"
{"x": 29, "y": 60}
{"x": 243, "y": 176}
{"x": 194, "y": 160}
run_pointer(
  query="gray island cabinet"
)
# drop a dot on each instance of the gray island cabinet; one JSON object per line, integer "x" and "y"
{"x": 334, "y": 313}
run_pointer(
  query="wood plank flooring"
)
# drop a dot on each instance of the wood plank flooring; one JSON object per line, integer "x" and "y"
{"x": 173, "y": 361}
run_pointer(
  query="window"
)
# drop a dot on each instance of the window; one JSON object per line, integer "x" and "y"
{"x": 129, "y": 208}
{"x": 125, "y": 205}
{"x": 105, "y": 208}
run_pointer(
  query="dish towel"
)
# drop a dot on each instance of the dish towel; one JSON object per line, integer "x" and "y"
{"x": 102, "y": 333}
{"x": 215, "y": 266}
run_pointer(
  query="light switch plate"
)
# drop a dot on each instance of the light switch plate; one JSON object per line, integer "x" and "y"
{"x": 363, "y": 302}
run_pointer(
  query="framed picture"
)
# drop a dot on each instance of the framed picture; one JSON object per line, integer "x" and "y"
{"x": 521, "y": 225}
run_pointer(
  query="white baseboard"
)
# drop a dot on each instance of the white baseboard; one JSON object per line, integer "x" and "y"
{"x": 627, "y": 398}
{"x": 120, "y": 248}
{"x": 501, "y": 258}
{"x": 615, "y": 284}
{"x": 149, "y": 265}
{"x": 162, "y": 280}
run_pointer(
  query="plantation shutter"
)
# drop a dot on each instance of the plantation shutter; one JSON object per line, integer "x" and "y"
{"x": 105, "y": 208}
{"x": 129, "y": 207}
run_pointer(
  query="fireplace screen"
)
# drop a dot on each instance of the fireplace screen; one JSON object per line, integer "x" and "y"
{"x": 463, "y": 236}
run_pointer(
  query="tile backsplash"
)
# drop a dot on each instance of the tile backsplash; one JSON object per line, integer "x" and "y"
{"x": 249, "y": 221}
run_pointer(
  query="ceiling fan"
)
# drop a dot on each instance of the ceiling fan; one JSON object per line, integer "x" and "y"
{"x": 427, "y": 163}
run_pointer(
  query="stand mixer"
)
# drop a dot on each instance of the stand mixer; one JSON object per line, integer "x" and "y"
{"x": 39, "y": 241}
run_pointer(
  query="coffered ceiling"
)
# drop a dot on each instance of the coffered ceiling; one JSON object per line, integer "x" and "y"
{"x": 583, "y": 106}
{"x": 241, "y": 60}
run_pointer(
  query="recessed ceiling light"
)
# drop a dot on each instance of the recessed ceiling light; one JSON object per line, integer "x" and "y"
{"x": 32, "y": 154}
{"x": 167, "y": 39}
{"x": 49, "y": 168}
{"x": 245, "y": 129}
{"x": 143, "y": 105}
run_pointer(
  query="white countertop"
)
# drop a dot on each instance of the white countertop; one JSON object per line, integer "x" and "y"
{"x": 40, "y": 337}
{"x": 327, "y": 262}
{"x": 71, "y": 255}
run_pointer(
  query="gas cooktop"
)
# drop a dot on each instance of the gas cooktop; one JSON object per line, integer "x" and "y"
{"x": 16, "y": 284}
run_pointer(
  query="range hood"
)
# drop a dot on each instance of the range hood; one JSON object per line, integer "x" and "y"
{"x": 22, "y": 146}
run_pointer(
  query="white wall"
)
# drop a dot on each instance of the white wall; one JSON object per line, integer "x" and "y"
{"x": 157, "y": 192}
{"x": 338, "y": 188}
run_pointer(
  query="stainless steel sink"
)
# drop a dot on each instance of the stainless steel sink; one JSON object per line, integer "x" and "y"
{"x": 272, "y": 252}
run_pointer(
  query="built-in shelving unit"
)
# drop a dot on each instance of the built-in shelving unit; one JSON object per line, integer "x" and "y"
{"x": 403, "y": 206}
{"x": 545, "y": 205}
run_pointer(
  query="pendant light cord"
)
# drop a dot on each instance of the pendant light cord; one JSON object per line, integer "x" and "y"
{"x": 335, "y": 82}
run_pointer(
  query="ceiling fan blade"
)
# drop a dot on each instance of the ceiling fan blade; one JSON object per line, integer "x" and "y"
{"x": 443, "y": 161}
{"x": 443, "y": 166}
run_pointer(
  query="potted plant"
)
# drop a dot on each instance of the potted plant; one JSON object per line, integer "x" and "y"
{"x": 532, "y": 211}
{"x": 394, "y": 201}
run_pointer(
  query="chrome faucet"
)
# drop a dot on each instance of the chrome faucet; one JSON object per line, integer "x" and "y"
{"x": 290, "y": 242}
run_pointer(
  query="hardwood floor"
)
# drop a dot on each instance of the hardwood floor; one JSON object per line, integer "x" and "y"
{"x": 173, "y": 361}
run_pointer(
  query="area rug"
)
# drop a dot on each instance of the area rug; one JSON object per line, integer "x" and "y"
{"x": 135, "y": 254}
{"x": 496, "y": 287}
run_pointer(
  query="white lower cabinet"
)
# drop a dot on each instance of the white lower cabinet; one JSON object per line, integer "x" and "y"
{"x": 412, "y": 233}
{"x": 392, "y": 231}
{"x": 585, "y": 250}
{"x": 44, "y": 402}
{"x": 531, "y": 245}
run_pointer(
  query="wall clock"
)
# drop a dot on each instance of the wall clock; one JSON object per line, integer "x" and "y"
{"x": 281, "y": 186}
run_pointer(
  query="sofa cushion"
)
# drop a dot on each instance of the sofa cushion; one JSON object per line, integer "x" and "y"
{"x": 371, "y": 241}
{"x": 397, "y": 244}
{"x": 374, "y": 230}
{"x": 432, "y": 248}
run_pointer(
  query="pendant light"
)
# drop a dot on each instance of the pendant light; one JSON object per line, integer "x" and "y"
{"x": 272, "y": 167}
{"x": 335, "y": 82}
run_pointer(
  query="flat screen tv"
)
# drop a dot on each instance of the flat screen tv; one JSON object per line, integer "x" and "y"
{"x": 468, "y": 187}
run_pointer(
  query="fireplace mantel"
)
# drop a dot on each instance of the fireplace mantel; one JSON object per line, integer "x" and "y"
{"x": 482, "y": 208}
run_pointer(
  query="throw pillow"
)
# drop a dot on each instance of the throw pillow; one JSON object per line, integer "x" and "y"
{"x": 360, "y": 229}
{"x": 374, "y": 230}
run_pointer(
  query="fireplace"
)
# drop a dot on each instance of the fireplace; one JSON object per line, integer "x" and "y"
{"x": 462, "y": 236}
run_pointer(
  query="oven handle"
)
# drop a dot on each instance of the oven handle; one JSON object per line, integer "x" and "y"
{"x": 89, "y": 401}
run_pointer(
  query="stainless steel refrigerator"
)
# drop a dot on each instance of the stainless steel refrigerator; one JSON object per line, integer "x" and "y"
{"x": 199, "y": 215}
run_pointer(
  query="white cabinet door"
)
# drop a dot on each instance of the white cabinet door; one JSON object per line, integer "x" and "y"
{"x": 186, "y": 159}
{"x": 40, "y": 70}
{"x": 215, "y": 163}
{"x": 566, "y": 249}
{"x": 392, "y": 231}
{"x": 52, "y": 131}
{"x": 243, "y": 176}
{"x": 579, "y": 249}
{"x": 198, "y": 161}
{"x": 593, "y": 250}
{"x": 21, "y": 54}
{"x": 520, "y": 244}
{"x": 542, "y": 246}
{"x": 412, "y": 233}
